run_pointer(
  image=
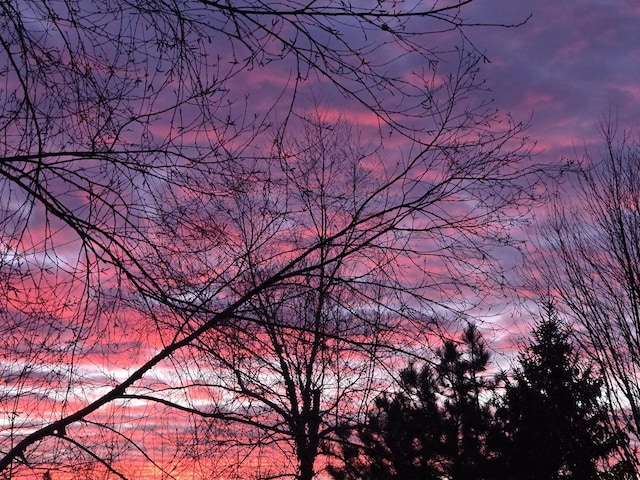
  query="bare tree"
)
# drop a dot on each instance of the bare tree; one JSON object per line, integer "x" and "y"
{"x": 591, "y": 262}
{"x": 303, "y": 357}
{"x": 146, "y": 206}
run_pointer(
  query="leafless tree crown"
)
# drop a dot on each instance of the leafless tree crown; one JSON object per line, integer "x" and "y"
{"x": 168, "y": 193}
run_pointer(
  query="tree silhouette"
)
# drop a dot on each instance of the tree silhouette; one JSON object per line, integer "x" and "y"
{"x": 549, "y": 423}
{"x": 434, "y": 427}
{"x": 555, "y": 424}
{"x": 467, "y": 418}
{"x": 403, "y": 437}
{"x": 152, "y": 195}
{"x": 590, "y": 259}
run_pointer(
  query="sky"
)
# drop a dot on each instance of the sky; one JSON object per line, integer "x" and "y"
{"x": 571, "y": 66}
{"x": 568, "y": 66}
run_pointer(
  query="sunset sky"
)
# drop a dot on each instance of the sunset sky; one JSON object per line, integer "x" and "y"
{"x": 571, "y": 64}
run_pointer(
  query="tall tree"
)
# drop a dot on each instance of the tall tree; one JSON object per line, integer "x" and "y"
{"x": 146, "y": 199}
{"x": 467, "y": 417}
{"x": 591, "y": 261}
{"x": 403, "y": 437}
{"x": 435, "y": 425}
{"x": 555, "y": 423}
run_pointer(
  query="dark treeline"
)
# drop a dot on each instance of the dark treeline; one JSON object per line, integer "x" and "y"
{"x": 452, "y": 419}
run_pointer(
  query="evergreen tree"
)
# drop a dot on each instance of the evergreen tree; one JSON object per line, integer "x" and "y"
{"x": 402, "y": 439}
{"x": 554, "y": 424}
{"x": 432, "y": 428}
{"x": 466, "y": 417}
